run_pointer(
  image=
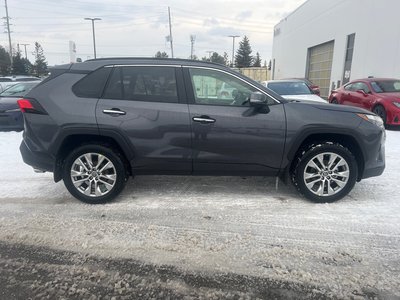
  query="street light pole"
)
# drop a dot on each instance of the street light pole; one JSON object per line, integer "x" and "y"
{"x": 26, "y": 56}
{"x": 233, "y": 47}
{"x": 94, "y": 36}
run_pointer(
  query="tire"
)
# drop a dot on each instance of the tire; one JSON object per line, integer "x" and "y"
{"x": 102, "y": 167}
{"x": 334, "y": 101}
{"x": 328, "y": 184}
{"x": 380, "y": 111}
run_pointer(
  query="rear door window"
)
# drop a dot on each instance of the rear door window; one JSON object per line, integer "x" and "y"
{"x": 137, "y": 83}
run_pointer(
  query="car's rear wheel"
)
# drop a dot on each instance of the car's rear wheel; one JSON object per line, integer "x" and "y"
{"x": 380, "y": 111}
{"x": 94, "y": 174}
{"x": 325, "y": 172}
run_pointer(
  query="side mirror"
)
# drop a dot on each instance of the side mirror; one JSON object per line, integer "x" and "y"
{"x": 362, "y": 92}
{"x": 257, "y": 99}
{"x": 259, "y": 102}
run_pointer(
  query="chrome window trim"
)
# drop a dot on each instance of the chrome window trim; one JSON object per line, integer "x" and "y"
{"x": 194, "y": 67}
{"x": 228, "y": 73}
{"x": 140, "y": 65}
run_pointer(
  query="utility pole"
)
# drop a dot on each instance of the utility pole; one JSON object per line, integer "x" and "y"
{"x": 26, "y": 56}
{"x": 94, "y": 36}
{"x": 170, "y": 32}
{"x": 209, "y": 54}
{"x": 192, "y": 40}
{"x": 233, "y": 48}
{"x": 9, "y": 33}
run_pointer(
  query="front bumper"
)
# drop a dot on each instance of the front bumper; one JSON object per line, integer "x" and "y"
{"x": 375, "y": 152}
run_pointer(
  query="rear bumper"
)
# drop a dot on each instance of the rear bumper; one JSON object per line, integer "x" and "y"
{"x": 35, "y": 159}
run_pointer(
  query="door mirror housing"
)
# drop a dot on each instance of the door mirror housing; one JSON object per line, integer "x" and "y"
{"x": 362, "y": 92}
{"x": 259, "y": 101}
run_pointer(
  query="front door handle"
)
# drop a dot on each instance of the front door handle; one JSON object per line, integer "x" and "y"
{"x": 204, "y": 119}
{"x": 114, "y": 111}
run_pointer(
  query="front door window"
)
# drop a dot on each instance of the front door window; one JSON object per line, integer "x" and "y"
{"x": 213, "y": 87}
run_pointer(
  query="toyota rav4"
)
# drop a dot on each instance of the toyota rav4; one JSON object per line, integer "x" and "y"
{"x": 94, "y": 124}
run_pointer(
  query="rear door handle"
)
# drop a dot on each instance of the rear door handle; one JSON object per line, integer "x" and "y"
{"x": 113, "y": 111}
{"x": 204, "y": 119}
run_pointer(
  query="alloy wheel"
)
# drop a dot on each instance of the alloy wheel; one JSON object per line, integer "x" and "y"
{"x": 326, "y": 174}
{"x": 93, "y": 174}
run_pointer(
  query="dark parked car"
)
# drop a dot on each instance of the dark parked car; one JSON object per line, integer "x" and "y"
{"x": 379, "y": 95}
{"x": 10, "y": 114}
{"x": 96, "y": 123}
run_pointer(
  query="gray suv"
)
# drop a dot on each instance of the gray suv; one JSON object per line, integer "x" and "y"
{"x": 96, "y": 123}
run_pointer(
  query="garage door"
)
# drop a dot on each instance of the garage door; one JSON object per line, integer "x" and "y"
{"x": 320, "y": 65}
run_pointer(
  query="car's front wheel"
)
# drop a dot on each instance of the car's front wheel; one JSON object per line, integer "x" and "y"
{"x": 380, "y": 111}
{"x": 334, "y": 101}
{"x": 94, "y": 173}
{"x": 325, "y": 172}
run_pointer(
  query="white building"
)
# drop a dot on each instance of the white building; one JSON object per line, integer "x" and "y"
{"x": 334, "y": 41}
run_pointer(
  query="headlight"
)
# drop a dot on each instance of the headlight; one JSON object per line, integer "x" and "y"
{"x": 397, "y": 104}
{"x": 372, "y": 119}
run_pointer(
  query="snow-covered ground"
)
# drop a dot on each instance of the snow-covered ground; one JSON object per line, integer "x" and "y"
{"x": 219, "y": 225}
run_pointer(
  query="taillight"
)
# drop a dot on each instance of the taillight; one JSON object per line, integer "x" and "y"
{"x": 31, "y": 106}
{"x": 24, "y": 105}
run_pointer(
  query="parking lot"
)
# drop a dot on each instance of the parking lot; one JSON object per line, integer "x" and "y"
{"x": 221, "y": 229}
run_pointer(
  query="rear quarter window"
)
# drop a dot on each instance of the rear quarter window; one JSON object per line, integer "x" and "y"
{"x": 92, "y": 85}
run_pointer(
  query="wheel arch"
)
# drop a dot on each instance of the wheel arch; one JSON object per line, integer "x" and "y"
{"x": 74, "y": 140}
{"x": 345, "y": 140}
{"x": 378, "y": 103}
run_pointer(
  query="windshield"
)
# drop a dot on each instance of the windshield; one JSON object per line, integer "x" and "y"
{"x": 289, "y": 88}
{"x": 386, "y": 86}
{"x": 18, "y": 90}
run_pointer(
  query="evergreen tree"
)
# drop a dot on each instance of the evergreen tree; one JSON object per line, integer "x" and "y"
{"x": 160, "y": 54}
{"x": 257, "y": 61}
{"x": 4, "y": 62}
{"x": 19, "y": 67}
{"x": 216, "y": 58}
{"x": 28, "y": 66}
{"x": 40, "y": 66}
{"x": 243, "y": 58}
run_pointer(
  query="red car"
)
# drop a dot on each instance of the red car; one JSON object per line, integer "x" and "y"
{"x": 379, "y": 95}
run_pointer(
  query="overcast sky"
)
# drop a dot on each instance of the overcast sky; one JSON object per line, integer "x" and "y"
{"x": 139, "y": 28}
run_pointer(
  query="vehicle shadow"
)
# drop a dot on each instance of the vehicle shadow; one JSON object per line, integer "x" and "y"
{"x": 206, "y": 186}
